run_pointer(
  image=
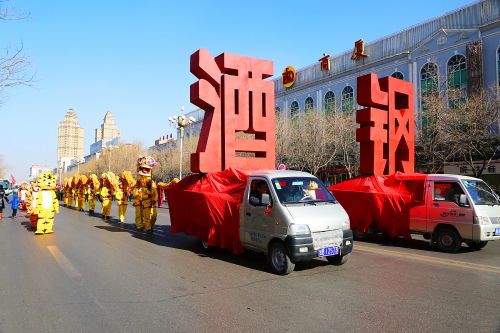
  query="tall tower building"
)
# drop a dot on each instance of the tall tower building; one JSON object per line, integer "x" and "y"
{"x": 70, "y": 138}
{"x": 109, "y": 130}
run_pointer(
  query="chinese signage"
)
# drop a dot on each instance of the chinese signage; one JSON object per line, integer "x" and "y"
{"x": 236, "y": 98}
{"x": 324, "y": 62}
{"x": 289, "y": 75}
{"x": 359, "y": 50}
{"x": 387, "y": 126}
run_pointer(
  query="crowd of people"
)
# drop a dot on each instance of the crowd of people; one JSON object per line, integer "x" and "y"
{"x": 80, "y": 191}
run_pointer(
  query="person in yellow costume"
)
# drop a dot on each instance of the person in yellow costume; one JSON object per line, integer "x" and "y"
{"x": 109, "y": 184}
{"x": 148, "y": 193}
{"x": 92, "y": 188}
{"x": 136, "y": 192}
{"x": 82, "y": 184}
{"x": 47, "y": 204}
{"x": 127, "y": 182}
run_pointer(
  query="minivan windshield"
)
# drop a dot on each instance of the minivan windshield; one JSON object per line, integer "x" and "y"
{"x": 480, "y": 192}
{"x": 301, "y": 190}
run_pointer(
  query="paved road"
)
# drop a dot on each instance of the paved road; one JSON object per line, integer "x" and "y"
{"x": 92, "y": 276}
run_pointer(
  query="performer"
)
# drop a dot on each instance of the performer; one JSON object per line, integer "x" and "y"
{"x": 23, "y": 188}
{"x": 138, "y": 207}
{"x": 47, "y": 204}
{"x": 82, "y": 184}
{"x": 32, "y": 205}
{"x": 149, "y": 194}
{"x": 108, "y": 181}
{"x": 92, "y": 189}
{"x": 127, "y": 182}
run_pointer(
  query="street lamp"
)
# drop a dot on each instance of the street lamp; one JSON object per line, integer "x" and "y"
{"x": 109, "y": 148}
{"x": 181, "y": 122}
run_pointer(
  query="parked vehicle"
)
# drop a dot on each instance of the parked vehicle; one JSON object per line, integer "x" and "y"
{"x": 291, "y": 217}
{"x": 457, "y": 209}
{"x": 7, "y": 186}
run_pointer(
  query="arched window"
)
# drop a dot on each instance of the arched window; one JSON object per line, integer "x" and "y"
{"x": 398, "y": 75}
{"x": 428, "y": 79}
{"x": 330, "y": 101}
{"x": 347, "y": 99}
{"x": 308, "y": 104}
{"x": 294, "y": 109}
{"x": 277, "y": 110}
{"x": 457, "y": 79}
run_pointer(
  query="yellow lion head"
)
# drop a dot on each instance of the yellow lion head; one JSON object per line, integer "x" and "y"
{"x": 47, "y": 181}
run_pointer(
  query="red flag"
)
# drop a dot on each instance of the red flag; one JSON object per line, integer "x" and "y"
{"x": 12, "y": 179}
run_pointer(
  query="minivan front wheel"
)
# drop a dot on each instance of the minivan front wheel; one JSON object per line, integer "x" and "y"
{"x": 448, "y": 240}
{"x": 279, "y": 260}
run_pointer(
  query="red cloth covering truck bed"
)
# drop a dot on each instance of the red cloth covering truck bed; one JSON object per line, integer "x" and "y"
{"x": 207, "y": 206}
{"x": 383, "y": 202}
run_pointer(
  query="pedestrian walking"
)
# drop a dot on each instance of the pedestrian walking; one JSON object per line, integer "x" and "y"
{"x": 2, "y": 203}
{"x": 14, "y": 204}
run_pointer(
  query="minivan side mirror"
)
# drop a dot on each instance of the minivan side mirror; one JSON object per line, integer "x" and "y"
{"x": 463, "y": 200}
{"x": 265, "y": 199}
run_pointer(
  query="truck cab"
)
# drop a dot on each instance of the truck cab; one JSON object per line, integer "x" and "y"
{"x": 457, "y": 209}
{"x": 292, "y": 217}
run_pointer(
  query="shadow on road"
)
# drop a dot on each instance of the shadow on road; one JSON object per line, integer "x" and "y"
{"x": 415, "y": 244}
{"x": 163, "y": 237}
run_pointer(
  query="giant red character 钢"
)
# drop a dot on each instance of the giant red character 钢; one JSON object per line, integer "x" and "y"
{"x": 386, "y": 133}
{"x": 236, "y": 98}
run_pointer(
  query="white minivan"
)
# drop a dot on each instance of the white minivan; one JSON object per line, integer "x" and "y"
{"x": 457, "y": 209}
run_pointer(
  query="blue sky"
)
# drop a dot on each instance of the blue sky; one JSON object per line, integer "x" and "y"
{"x": 132, "y": 57}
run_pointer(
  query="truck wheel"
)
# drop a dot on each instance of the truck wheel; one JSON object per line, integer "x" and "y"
{"x": 338, "y": 259}
{"x": 477, "y": 245}
{"x": 448, "y": 240}
{"x": 279, "y": 259}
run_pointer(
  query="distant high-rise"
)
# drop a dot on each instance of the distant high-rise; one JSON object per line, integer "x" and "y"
{"x": 109, "y": 130}
{"x": 70, "y": 138}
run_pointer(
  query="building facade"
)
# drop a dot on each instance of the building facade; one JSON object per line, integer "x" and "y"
{"x": 35, "y": 170}
{"x": 457, "y": 50}
{"x": 70, "y": 138}
{"x": 109, "y": 129}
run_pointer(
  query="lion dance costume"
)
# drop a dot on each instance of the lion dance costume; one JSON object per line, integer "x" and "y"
{"x": 32, "y": 204}
{"x": 109, "y": 183}
{"x": 147, "y": 194}
{"x": 127, "y": 182}
{"x": 80, "y": 190}
{"x": 93, "y": 187}
{"x": 47, "y": 204}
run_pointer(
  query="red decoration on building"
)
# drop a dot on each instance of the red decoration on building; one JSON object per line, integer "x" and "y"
{"x": 387, "y": 127}
{"x": 325, "y": 62}
{"x": 236, "y": 98}
{"x": 359, "y": 50}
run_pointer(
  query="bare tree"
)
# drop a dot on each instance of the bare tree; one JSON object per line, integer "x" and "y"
{"x": 2, "y": 167}
{"x": 13, "y": 65}
{"x": 348, "y": 148}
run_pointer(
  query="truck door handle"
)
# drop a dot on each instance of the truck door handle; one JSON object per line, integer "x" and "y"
{"x": 436, "y": 204}
{"x": 249, "y": 214}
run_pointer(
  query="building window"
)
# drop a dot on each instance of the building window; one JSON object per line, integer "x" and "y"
{"x": 347, "y": 99}
{"x": 277, "y": 110}
{"x": 294, "y": 109}
{"x": 398, "y": 75}
{"x": 330, "y": 101}
{"x": 457, "y": 80}
{"x": 308, "y": 104}
{"x": 428, "y": 79}
{"x": 498, "y": 65}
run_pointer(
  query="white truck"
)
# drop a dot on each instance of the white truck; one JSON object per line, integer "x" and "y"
{"x": 290, "y": 216}
{"x": 457, "y": 209}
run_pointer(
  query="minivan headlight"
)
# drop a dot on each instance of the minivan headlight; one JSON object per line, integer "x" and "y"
{"x": 298, "y": 229}
{"x": 481, "y": 220}
{"x": 346, "y": 225}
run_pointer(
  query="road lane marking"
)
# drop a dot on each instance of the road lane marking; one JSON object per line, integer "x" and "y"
{"x": 419, "y": 257}
{"x": 64, "y": 262}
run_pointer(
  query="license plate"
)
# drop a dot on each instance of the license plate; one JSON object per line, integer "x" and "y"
{"x": 328, "y": 251}
{"x": 497, "y": 231}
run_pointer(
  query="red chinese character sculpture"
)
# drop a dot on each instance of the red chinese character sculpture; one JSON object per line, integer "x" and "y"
{"x": 236, "y": 98}
{"x": 386, "y": 134}
{"x": 359, "y": 50}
